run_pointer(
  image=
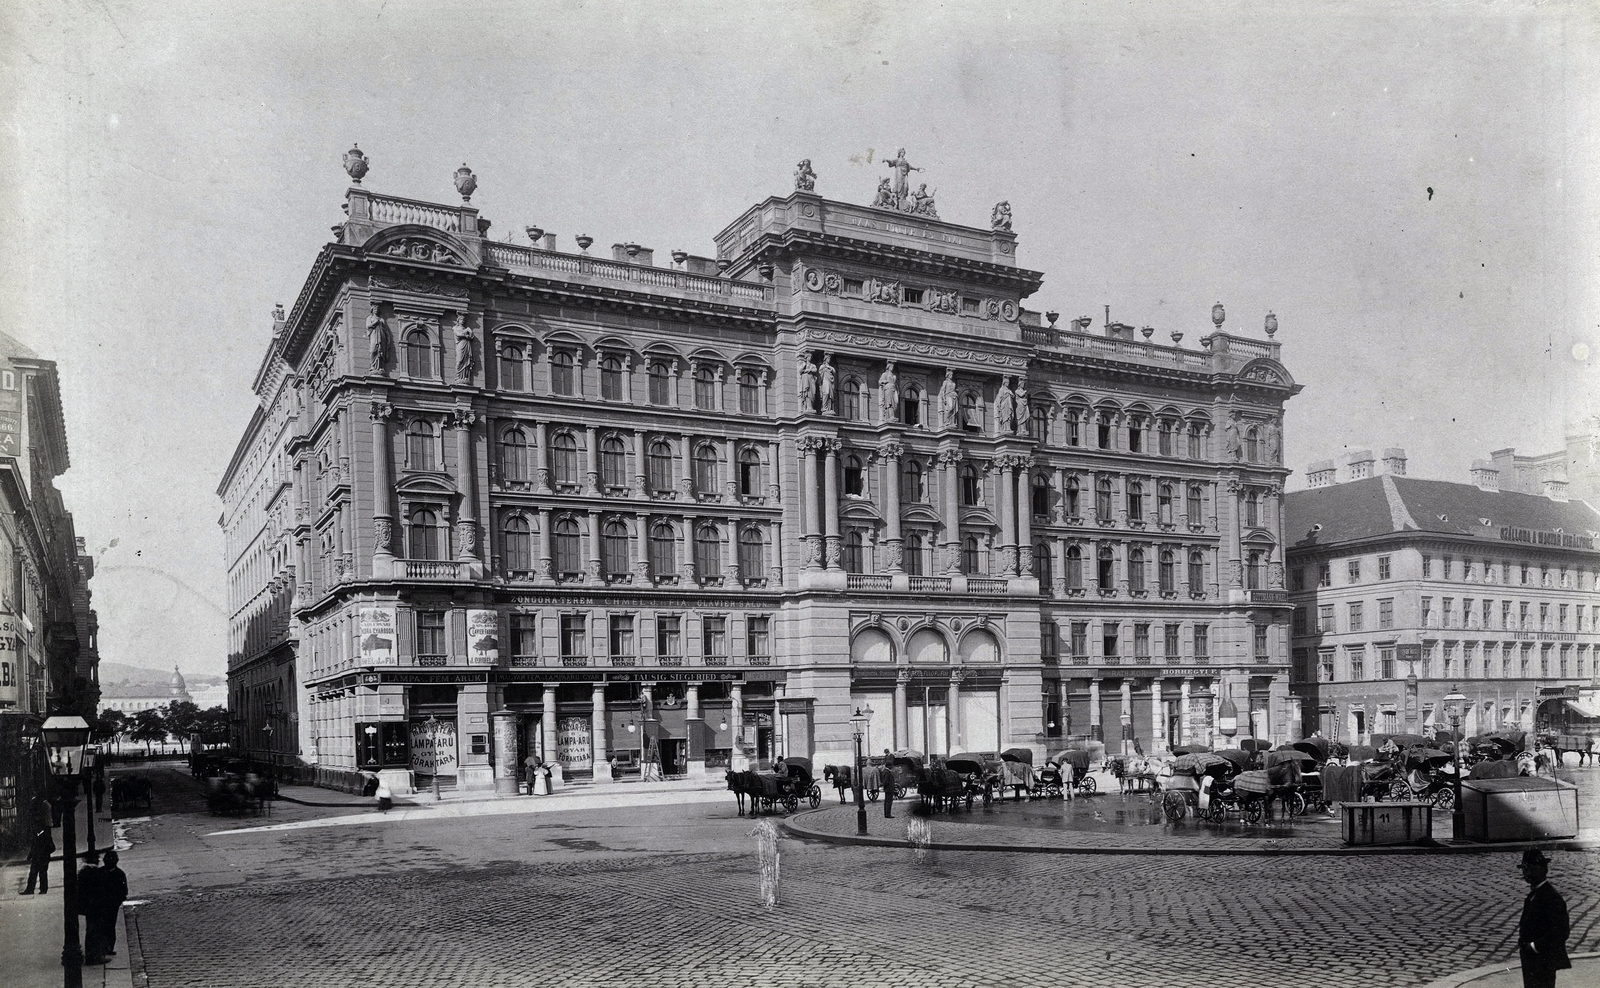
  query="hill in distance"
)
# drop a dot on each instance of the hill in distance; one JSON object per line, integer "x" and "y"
{"x": 123, "y": 674}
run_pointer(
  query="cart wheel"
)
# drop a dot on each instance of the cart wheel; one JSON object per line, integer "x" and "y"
{"x": 1445, "y": 800}
{"x": 1174, "y": 807}
{"x": 1089, "y": 785}
{"x": 1296, "y": 804}
{"x": 791, "y": 803}
{"x": 1252, "y": 810}
{"x": 816, "y": 797}
{"x": 872, "y": 795}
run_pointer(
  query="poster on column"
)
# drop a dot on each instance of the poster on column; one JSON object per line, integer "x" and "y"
{"x": 376, "y": 628}
{"x": 483, "y": 637}
{"x": 575, "y": 743}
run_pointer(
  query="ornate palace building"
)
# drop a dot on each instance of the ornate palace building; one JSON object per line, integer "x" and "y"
{"x": 1405, "y": 588}
{"x": 507, "y": 498}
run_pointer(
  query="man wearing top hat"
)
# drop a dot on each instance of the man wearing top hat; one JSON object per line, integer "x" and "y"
{"x": 1542, "y": 937}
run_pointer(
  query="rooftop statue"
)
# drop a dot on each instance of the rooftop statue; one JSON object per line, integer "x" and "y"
{"x": 901, "y": 168}
{"x": 805, "y": 180}
{"x": 895, "y": 192}
{"x": 1000, "y": 219}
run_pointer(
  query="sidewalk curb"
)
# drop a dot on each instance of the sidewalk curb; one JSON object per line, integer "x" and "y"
{"x": 1252, "y": 847}
{"x": 1463, "y": 978}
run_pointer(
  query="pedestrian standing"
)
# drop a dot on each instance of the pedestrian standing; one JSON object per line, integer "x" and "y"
{"x": 39, "y": 850}
{"x": 385, "y": 796}
{"x": 1542, "y": 936}
{"x": 531, "y": 766}
{"x": 107, "y": 905}
{"x": 88, "y": 908}
{"x": 99, "y": 792}
{"x": 886, "y": 783}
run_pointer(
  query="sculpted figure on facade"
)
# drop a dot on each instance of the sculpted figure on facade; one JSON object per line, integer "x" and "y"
{"x": 949, "y": 404}
{"x": 808, "y": 384}
{"x": 888, "y": 393}
{"x": 1231, "y": 443}
{"x": 379, "y": 345}
{"x": 922, "y": 204}
{"x": 1023, "y": 412}
{"x": 885, "y": 197}
{"x": 1274, "y": 443}
{"x": 1000, "y": 219}
{"x": 805, "y": 180}
{"x": 828, "y": 377}
{"x": 900, "y": 168}
{"x": 466, "y": 356}
{"x": 1005, "y": 408}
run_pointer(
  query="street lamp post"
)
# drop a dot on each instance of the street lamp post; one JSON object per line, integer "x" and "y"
{"x": 1455, "y": 708}
{"x": 65, "y": 738}
{"x": 90, "y": 756}
{"x": 858, "y": 730}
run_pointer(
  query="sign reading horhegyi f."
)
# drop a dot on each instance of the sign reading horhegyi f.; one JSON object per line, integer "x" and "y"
{"x": 376, "y": 628}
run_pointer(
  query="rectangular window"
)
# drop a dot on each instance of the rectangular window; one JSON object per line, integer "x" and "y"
{"x": 1356, "y": 616}
{"x": 524, "y": 638}
{"x": 623, "y": 652}
{"x": 1544, "y": 617}
{"x": 714, "y": 640}
{"x": 1202, "y": 642}
{"x": 1427, "y": 612}
{"x": 1505, "y": 615}
{"x": 1171, "y": 648}
{"x": 757, "y": 640}
{"x": 1385, "y": 663}
{"x": 1325, "y": 575}
{"x": 1299, "y": 620}
{"x": 574, "y": 639}
{"x": 669, "y": 640}
{"x": 1355, "y": 571}
{"x": 1383, "y": 567}
{"x": 1261, "y": 643}
{"x": 430, "y": 637}
{"x": 1447, "y": 617}
{"x": 913, "y": 296}
{"x": 1080, "y": 639}
{"x": 853, "y": 286}
{"x": 1446, "y": 568}
{"x": 1325, "y": 666}
{"x": 1522, "y": 617}
{"x": 1141, "y": 642}
{"x": 1108, "y": 640}
{"x": 1386, "y": 614}
{"x": 1297, "y": 579}
{"x": 1325, "y": 620}
{"x": 1427, "y": 567}
{"x": 1358, "y": 663}
{"x": 1049, "y": 641}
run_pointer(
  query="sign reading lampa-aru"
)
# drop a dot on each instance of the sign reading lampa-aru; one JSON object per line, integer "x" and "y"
{"x": 433, "y": 747}
{"x": 574, "y": 743}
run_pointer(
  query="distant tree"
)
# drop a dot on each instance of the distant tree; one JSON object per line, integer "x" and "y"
{"x": 183, "y": 719}
{"x": 212, "y": 724}
{"x": 109, "y": 725}
{"x": 149, "y": 725}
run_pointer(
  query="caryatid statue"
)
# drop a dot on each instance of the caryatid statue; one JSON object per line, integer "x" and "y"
{"x": 949, "y": 404}
{"x": 888, "y": 392}
{"x": 1005, "y": 408}
{"x": 828, "y": 376}
{"x": 378, "y": 343}
{"x": 808, "y": 384}
{"x": 466, "y": 359}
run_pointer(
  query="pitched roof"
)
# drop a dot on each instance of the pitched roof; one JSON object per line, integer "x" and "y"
{"x": 11, "y": 348}
{"x": 1385, "y": 505}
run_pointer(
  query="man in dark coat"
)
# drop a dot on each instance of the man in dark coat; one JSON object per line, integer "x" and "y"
{"x": 88, "y": 904}
{"x": 1542, "y": 937}
{"x": 111, "y": 887}
{"x": 39, "y": 850}
{"x": 886, "y": 783}
{"x": 99, "y": 788}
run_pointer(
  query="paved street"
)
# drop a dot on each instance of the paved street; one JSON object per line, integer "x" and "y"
{"x": 668, "y": 895}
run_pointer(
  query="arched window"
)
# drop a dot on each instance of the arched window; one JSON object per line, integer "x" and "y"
{"x": 913, "y": 483}
{"x": 564, "y": 456}
{"x": 855, "y": 476}
{"x": 419, "y": 354}
{"x": 1070, "y": 497}
{"x": 512, "y": 378}
{"x": 1041, "y": 496}
{"x": 1196, "y": 440}
{"x": 1073, "y": 421}
{"x": 853, "y": 556}
{"x": 971, "y": 557}
{"x": 424, "y": 525}
{"x": 420, "y": 446}
{"x": 1169, "y": 572}
{"x": 1252, "y": 508}
{"x": 1103, "y": 430}
{"x": 661, "y": 467}
{"x": 1106, "y": 575}
{"x": 1074, "y": 568}
{"x": 753, "y": 554}
{"x": 1135, "y": 498}
{"x": 971, "y": 489}
{"x": 563, "y": 373}
{"x": 914, "y": 554}
{"x": 750, "y": 472}
{"x": 611, "y": 377}
{"x": 911, "y": 406}
{"x": 971, "y": 413}
{"x": 850, "y": 400}
{"x": 660, "y": 374}
{"x": 1043, "y": 566}
{"x": 516, "y": 545}
{"x": 708, "y": 552}
{"x": 705, "y": 387}
{"x": 1136, "y": 570}
{"x": 663, "y": 550}
{"x": 1197, "y": 573}
{"x": 569, "y": 551}
{"x": 1253, "y": 576}
{"x": 1192, "y": 505}
{"x": 1164, "y": 440}
{"x": 1039, "y": 422}
{"x": 1252, "y": 445}
{"x": 1164, "y": 504}
{"x": 515, "y": 463}
{"x": 705, "y": 469}
{"x": 613, "y": 462}
{"x": 1102, "y": 499}
{"x": 1135, "y": 434}
{"x": 614, "y": 549}
{"x": 749, "y": 392}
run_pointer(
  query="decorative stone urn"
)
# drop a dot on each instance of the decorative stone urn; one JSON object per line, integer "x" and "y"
{"x": 1272, "y": 325}
{"x": 466, "y": 182}
{"x": 1218, "y": 314}
{"x": 356, "y": 163}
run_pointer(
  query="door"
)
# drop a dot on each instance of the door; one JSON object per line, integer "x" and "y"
{"x": 672, "y": 757}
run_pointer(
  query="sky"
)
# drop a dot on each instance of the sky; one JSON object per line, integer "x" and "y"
{"x": 1412, "y": 189}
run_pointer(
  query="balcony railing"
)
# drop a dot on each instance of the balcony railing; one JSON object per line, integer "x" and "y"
{"x": 986, "y": 585}
{"x": 760, "y": 660}
{"x": 431, "y": 660}
{"x": 867, "y": 581}
{"x": 930, "y": 584}
{"x": 519, "y": 258}
{"x": 429, "y": 569}
{"x": 574, "y": 661}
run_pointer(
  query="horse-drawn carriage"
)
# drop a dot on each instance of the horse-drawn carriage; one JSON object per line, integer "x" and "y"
{"x": 768, "y": 791}
{"x": 1017, "y": 774}
{"x": 237, "y": 795}
{"x": 1135, "y": 773}
{"x": 1066, "y": 770}
{"x": 944, "y": 788}
{"x": 905, "y": 766}
{"x": 981, "y": 775}
{"x": 127, "y": 790}
{"x": 1190, "y": 771}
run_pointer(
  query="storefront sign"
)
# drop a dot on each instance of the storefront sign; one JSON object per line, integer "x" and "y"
{"x": 10, "y": 433}
{"x": 1535, "y": 537}
{"x": 433, "y": 747}
{"x": 13, "y": 661}
{"x": 483, "y": 637}
{"x": 1544, "y": 636}
{"x": 376, "y": 627}
{"x": 574, "y": 743}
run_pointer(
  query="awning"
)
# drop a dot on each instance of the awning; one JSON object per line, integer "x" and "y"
{"x": 1589, "y": 707}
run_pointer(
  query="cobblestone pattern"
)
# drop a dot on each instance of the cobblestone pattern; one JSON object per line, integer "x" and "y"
{"x": 864, "y": 916}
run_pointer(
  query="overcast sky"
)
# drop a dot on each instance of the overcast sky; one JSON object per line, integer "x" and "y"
{"x": 1411, "y": 188}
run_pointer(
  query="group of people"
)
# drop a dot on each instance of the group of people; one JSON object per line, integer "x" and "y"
{"x": 102, "y": 888}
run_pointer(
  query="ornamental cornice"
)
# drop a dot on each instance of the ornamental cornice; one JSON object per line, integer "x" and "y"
{"x": 933, "y": 351}
{"x": 381, "y": 411}
{"x": 891, "y": 255}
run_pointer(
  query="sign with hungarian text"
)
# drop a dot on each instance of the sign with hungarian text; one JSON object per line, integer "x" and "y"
{"x": 13, "y": 660}
{"x": 1536, "y": 537}
{"x": 10, "y": 433}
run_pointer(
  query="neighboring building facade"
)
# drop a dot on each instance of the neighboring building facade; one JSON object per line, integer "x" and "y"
{"x": 1573, "y": 471}
{"x": 129, "y": 700}
{"x": 1459, "y": 585}
{"x": 502, "y": 499}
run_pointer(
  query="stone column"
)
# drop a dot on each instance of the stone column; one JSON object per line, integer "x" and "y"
{"x": 686, "y": 567}
{"x": 592, "y": 570}
{"x": 812, "y": 532}
{"x": 592, "y": 457}
{"x": 1008, "y": 524}
{"x": 732, "y": 575}
{"x": 902, "y": 719}
{"x": 1058, "y": 567}
{"x": 740, "y": 761}
{"x": 694, "y": 732}
{"x": 597, "y": 728}
{"x": 686, "y": 490}
{"x": 1275, "y": 519}
{"x": 1096, "y": 729}
{"x": 893, "y": 550}
{"x": 541, "y": 458}
{"x": 730, "y": 480}
{"x": 467, "y": 522}
{"x": 546, "y": 563}
{"x": 774, "y": 457}
{"x": 1183, "y": 711}
{"x": 1024, "y": 519}
{"x": 950, "y": 457}
{"x": 382, "y": 491}
{"x": 953, "y": 714}
{"x": 627, "y": 378}
{"x": 641, "y": 444}
{"x": 1158, "y": 718}
{"x": 833, "y": 544}
{"x": 547, "y": 723}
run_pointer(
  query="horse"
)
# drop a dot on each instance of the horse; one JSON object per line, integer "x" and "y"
{"x": 1545, "y": 762}
{"x": 841, "y": 777}
{"x": 737, "y": 786}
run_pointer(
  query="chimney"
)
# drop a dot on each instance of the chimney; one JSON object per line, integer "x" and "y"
{"x": 1321, "y": 474}
{"x": 1555, "y": 488}
{"x": 1394, "y": 461}
{"x": 1485, "y": 475}
{"x": 633, "y": 254}
{"x": 1361, "y": 464}
{"x": 549, "y": 241}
